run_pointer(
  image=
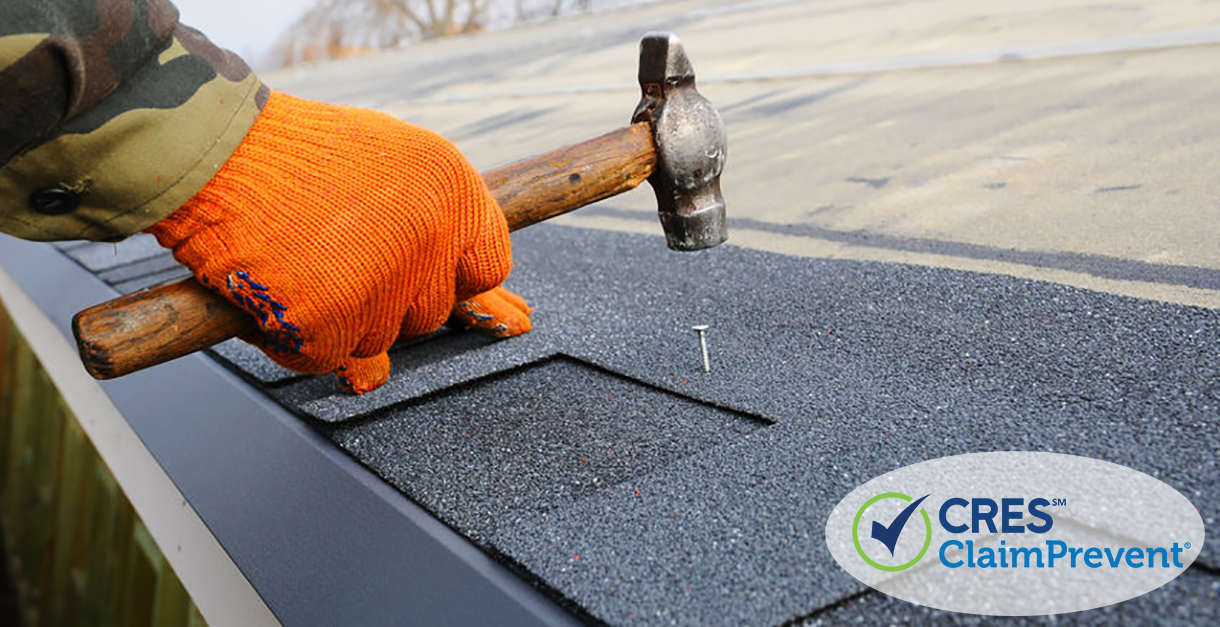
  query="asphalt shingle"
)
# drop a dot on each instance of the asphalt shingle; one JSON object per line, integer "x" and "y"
{"x": 98, "y": 256}
{"x": 596, "y": 455}
{"x": 1193, "y": 599}
{"x": 862, "y": 367}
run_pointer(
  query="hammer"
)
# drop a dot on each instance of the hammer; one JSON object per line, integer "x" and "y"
{"x": 676, "y": 141}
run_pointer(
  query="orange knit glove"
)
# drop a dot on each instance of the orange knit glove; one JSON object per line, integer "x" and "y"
{"x": 341, "y": 230}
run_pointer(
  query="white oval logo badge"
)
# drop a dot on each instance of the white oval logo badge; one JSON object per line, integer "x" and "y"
{"x": 1015, "y": 533}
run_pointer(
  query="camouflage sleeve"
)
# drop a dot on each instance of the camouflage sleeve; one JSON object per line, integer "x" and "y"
{"x": 112, "y": 114}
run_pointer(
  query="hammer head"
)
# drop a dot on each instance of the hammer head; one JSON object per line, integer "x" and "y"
{"x": 690, "y": 144}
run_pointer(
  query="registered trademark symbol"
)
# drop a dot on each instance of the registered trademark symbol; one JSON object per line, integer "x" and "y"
{"x": 1188, "y": 545}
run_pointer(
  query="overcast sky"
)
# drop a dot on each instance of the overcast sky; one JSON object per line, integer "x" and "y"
{"x": 247, "y": 27}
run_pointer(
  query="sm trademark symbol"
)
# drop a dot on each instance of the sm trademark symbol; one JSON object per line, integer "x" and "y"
{"x": 1057, "y": 502}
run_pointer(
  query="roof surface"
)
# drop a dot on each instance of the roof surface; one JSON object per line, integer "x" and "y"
{"x": 595, "y": 455}
{"x": 978, "y": 254}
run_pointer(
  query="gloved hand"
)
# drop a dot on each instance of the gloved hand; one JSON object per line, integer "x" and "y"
{"x": 341, "y": 230}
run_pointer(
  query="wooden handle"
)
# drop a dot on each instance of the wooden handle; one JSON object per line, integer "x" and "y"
{"x": 165, "y": 322}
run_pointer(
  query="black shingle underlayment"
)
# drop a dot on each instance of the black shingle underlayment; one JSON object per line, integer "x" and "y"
{"x": 703, "y": 514}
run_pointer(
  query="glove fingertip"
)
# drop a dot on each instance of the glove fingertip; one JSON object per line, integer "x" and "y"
{"x": 514, "y": 299}
{"x": 494, "y": 315}
{"x": 513, "y": 320}
{"x": 364, "y": 374}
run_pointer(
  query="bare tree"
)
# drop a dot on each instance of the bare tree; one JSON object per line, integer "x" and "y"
{"x": 529, "y": 10}
{"x": 434, "y": 18}
{"x": 337, "y": 28}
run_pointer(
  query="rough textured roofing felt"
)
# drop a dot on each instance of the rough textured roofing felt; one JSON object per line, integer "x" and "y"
{"x": 596, "y": 457}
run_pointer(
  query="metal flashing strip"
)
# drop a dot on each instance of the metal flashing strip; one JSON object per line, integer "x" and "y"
{"x": 320, "y": 539}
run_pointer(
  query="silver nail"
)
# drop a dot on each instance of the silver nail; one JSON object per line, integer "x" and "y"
{"x": 700, "y": 328}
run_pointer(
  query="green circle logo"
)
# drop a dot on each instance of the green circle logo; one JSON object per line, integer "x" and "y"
{"x": 855, "y": 532}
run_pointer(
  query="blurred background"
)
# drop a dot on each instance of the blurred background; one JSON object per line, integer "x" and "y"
{"x": 272, "y": 35}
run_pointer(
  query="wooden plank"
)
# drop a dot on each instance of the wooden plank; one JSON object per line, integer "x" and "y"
{"x": 40, "y": 540}
{"x": 102, "y": 545}
{"x": 121, "y": 562}
{"x": 143, "y": 578}
{"x": 63, "y": 596}
{"x": 173, "y": 605}
{"x": 195, "y": 617}
{"x": 17, "y": 488}
{"x": 8, "y": 338}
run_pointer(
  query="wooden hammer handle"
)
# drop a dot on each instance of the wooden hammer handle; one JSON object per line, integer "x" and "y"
{"x": 165, "y": 322}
